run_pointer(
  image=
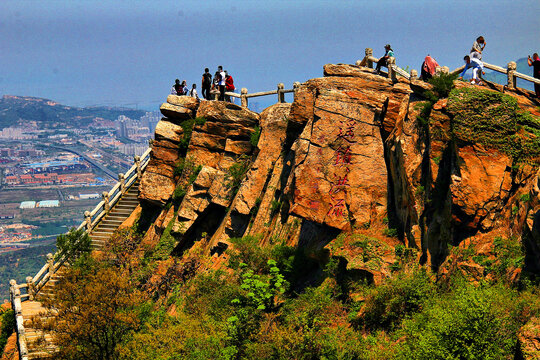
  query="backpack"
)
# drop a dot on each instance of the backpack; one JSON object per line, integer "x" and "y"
{"x": 207, "y": 78}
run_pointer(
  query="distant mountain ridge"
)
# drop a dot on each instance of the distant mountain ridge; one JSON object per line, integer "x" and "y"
{"x": 17, "y": 110}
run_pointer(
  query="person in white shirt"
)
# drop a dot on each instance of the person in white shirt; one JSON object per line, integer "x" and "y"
{"x": 193, "y": 92}
{"x": 221, "y": 83}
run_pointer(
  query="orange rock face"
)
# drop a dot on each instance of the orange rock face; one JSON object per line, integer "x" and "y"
{"x": 340, "y": 170}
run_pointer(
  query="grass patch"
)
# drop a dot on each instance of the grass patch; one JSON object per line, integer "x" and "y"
{"x": 494, "y": 120}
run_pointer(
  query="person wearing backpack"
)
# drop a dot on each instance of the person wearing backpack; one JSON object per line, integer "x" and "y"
{"x": 206, "y": 84}
{"x": 229, "y": 85}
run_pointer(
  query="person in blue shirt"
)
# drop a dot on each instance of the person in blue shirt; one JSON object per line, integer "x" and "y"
{"x": 384, "y": 60}
{"x": 476, "y": 66}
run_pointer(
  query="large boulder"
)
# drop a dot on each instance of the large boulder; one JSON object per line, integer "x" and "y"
{"x": 340, "y": 173}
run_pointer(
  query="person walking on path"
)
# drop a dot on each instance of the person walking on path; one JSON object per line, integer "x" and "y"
{"x": 477, "y": 67}
{"x": 193, "y": 92}
{"x": 535, "y": 63}
{"x": 229, "y": 85}
{"x": 221, "y": 83}
{"x": 384, "y": 60}
{"x": 428, "y": 68}
{"x": 206, "y": 84}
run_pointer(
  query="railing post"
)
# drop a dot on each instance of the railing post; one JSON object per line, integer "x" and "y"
{"x": 391, "y": 73}
{"x": 510, "y": 72}
{"x": 17, "y": 309}
{"x": 296, "y": 86}
{"x": 216, "y": 95}
{"x": 367, "y": 61}
{"x": 243, "y": 97}
{"x": 137, "y": 160}
{"x": 30, "y": 287}
{"x": 50, "y": 261}
{"x": 150, "y": 142}
{"x": 106, "y": 204}
{"x": 88, "y": 220}
{"x": 438, "y": 70}
{"x": 122, "y": 181}
{"x": 445, "y": 70}
{"x": 280, "y": 93}
{"x": 414, "y": 75}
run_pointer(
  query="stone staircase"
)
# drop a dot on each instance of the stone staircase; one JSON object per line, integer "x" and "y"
{"x": 100, "y": 223}
{"x": 39, "y": 344}
{"x": 117, "y": 215}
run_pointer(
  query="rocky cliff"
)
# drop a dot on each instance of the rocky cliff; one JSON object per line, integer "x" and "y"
{"x": 355, "y": 154}
{"x": 355, "y": 159}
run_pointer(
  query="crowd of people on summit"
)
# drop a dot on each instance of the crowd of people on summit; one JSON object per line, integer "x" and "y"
{"x": 221, "y": 83}
{"x": 472, "y": 61}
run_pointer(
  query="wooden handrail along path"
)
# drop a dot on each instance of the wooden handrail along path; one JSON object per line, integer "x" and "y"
{"x": 394, "y": 70}
{"x": 28, "y": 291}
{"x": 244, "y": 95}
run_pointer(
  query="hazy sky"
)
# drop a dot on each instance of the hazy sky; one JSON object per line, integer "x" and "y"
{"x": 84, "y": 52}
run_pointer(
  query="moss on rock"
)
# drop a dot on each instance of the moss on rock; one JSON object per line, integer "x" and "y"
{"x": 495, "y": 120}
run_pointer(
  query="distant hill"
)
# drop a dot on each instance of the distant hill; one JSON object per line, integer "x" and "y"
{"x": 21, "y": 109}
{"x": 522, "y": 67}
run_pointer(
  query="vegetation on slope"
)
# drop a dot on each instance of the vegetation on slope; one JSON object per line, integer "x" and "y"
{"x": 262, "y": 306}
{"x": 494, "y": 120}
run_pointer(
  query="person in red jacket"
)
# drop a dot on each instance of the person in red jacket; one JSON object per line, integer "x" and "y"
{"x": 229, "y": 85}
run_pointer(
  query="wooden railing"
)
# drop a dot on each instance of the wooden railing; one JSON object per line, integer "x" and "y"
{"x": 394, "y": 70}
{"x": 244, "y": 95}
{"x": 54, "y": 262}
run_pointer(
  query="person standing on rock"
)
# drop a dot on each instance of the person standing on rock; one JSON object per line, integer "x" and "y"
{"x": 206, "y": 84}
{"x": 384, "y": 60}
{"x": 176, "y": 88}
{"x": 184, "y": 88}
{"x": 535, "y": 63}
{"x": 229, "y": 85}
{"x": 221, "y": 83}
{"x": 478, "y": 47}
{"x": 193, "y": 92}
{"x": 428, "y": 68}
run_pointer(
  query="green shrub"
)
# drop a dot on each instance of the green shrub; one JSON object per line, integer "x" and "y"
{"x": 255, "y": 135}
{"x": 200, "y": 121}
{"x": 274, "y": 207}
{"x": 7, "y": 326}
{"x": 75, "y": 245}
{"x": 391, "y": 302}
{"x": 468, "y": 323}
{"x": 525, "y": 197}
{"x": 236, "y": 173}
{"x": 495, "y": 120}
{"x": 390, "y": 232}
{"x": 443, "y": 84}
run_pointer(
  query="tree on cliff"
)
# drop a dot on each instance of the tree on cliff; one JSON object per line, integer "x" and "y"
{"x": 94, "y": 307}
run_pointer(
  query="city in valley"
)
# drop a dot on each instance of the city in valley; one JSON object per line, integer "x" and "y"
{"x": 56, "y": 161}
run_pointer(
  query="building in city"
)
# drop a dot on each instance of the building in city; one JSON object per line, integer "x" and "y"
{"x": 27, "y": 205}
{"x": 48, "y": 203}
